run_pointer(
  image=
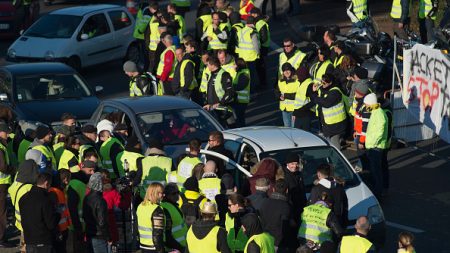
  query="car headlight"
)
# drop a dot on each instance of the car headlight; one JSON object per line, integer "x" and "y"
{"x": 49, "y": 55}
{"x": 11, "y": 53}
{"x": 375, "y": 214}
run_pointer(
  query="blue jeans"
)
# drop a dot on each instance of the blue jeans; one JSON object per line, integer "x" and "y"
{"x": 287, "y": 119}
{"x": 375, "y": 156}
{"x": 98, "y": 246}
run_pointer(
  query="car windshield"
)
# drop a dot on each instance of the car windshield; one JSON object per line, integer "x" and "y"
{"x": 175, "y": 126}
{"x": 49, "y": 87}
{"x": 313, "y": 157}
{"x": 54, "y": 26}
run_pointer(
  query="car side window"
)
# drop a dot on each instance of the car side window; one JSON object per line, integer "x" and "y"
{"x": 95, "y": 26}
{"x": 119, "y": 19}
{"x": 5, "y": 83}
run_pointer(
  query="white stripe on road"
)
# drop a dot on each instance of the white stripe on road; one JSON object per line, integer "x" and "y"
{"x": 403, "y": 227}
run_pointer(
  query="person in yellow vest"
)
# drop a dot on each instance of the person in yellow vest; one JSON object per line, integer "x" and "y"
{"x": 236, "y": 26}
{"x": 339, "y": 48}
{"x": 245, "y": 6}
{"x": 357, "y": 11}
{"x": 5, "y": 180}
{"x": 241, "y": 84}
{"x": 154, "y": 167}
{"x": 427, "y": 15}
{"x": 259, "y": 241}
{"x": 227, "y": 62}
{"x": 186, "y": 163}
{"x": 110, "y": 147}
{"x": 88, "y": 137}
{"x": 70, "y": 156}
{"x": 304, "y": 107}
{"x": 128, "y": 159}
{"x": 210, "y": 183}
{"x": 42, "y": 143}
{"x": 76, "y": 191}
{"x": 262, "y": 27}
{"x": 191, "y": 201}
{"x": 319, "y": 225}
{"x": 62, "y": 134}
{"x": 249, "y": 49}
{"x": 331, "y": 108}
{"x": 323, "y": 65}
{"x": 203, "y": 21}
{"x": 166, "y": 65}
{"x": 204, "y": 75}
{"x": 358, "y": 243}
{"x": 184, "y": 81}
{"x": 152, "y": 37}
{"x": 237, "y": 208}
{"x": 285, "y": 92}
{"x": 151, "y": 220}
{"x": 139, "y": 83}
{"x": 205, "y": 235}
{"x": 217, "y": 33}
{"x": 173, "y": 10}
{"x": 290, "y": 54}
{"x": 176, "y": 228}
{"x": 401, "y": 17}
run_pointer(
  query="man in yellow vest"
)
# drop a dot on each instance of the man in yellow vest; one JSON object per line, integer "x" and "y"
{"x": 209, "y": 184}
{"x": 88, "y": 138}
{"x": 139, "y": 83}
{"x": 176, "y": 228}
{"x": 184, "y": 81}
{"x": 173, "y": 11}
{"x": 204, "y": 235}
{"x": 290, "y": 54}
{"x": 166, "y": 65}
{"x": 241, "y": 84}
{"x": 151, "y": 36}
{"x": 5, "y": 180}
{"x": 217, "y": 32}
{"x": 358, "y": 243}
{"x": 128, "y": 159}
{"x": 227, "y": 62}
{"x": 357, "y": 11}
{"x": 186, "y": 163}
{"x": 259, "y": 241}
{"x": 427, "y": 15}
{"x": 203, "y": 21}
{"x": 401, "y": 17}
{"x": 236, "y": 27}
{"x": 262, "y": 27}
{"x": 110, "y": 147}
{"x": 249, "y": 49}
{"x": 42, "y": 143}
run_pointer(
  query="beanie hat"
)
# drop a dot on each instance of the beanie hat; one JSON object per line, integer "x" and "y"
{"x": 286, "y": 66}
{"x": 292, "y": 157}
{"x": 42, "y": 131}
{"x": 120, "y": 127}
{"x": 361, "y": 89}
{"x": 302, "y": 74}
{"x": 191, "y": 184}
{"x": 95, "y": 182}
{"x": 370, "y": 99}
{"x": 89, "y": 129}
{"x": 156, "y": 143}
{"x": 361, "y": 72}
{"x": 105, "y": 125}
{"x": 130, "y": 66}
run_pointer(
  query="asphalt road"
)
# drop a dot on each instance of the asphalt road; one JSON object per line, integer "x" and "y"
{"x": 419, "y": 196}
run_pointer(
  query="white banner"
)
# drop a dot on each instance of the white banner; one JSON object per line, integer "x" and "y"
{"x": 426, "y": 87}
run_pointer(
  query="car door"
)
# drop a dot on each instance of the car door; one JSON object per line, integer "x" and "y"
{"x": 95, "y": 40}
{"x": 122, "y": 24}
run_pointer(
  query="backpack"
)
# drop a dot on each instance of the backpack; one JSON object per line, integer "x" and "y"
{"x": 191, "y": 209}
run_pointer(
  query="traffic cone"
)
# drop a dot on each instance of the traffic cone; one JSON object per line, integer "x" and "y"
{"x": 124, "y": 17}
{"x": 131, "y": 6}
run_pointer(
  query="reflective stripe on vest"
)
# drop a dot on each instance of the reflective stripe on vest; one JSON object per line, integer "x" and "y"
{"x": 245, "y": 48}
{"x": 396, "y": 11}
{"x": 295, "y": 61}
{"x": 154, "y": 35}
{"x": 16, "y": 191}
{"x": 193, "y": 84}
{"x": 300, "y": 96}
{"x": 355, "y": 244}
{"x": 360, "y": 8}
{"x": 207, "y": 244}
{"x": 144, "y": 215}
{"x": 218, "y": 85}
{"x": 205, "y": 78}
{"x": 66, "y": 156}
{"x": 336, "y": 113}
{"x": 105, "y": 150}
{"x": 288, "y": 88}
{"x": 179, "y": 228}
{"x": 154, "y": 169}
{"x": 210, "y": 187}
{"x": 314, "y": 224}
{"x": 5, "y": 178}
{"x": 260, "y": 24}
{"x": 338, "y": 61}
{"x": 161, "y": 63}
{"x": 230, "y": 68}
{"x": 215, "y": 43}
{"x": 235, "y": 242}
{"x": 243, "y": 96}
{"x": 425, "y": 7}
{"x": 265, "y": 242}
{"x": 64, "y": 221}
{"x": 320, "y": 71}
{"x": 48, "y": 153}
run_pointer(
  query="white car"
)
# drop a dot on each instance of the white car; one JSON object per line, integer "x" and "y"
{"x": 257, "y": 143}
{"x": 78, "y": 36}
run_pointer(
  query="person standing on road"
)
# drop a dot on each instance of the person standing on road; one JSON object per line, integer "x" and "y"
{"x": 294, "y": 180}
{"x": 110, "y": 147}
{"x": 39, "y": 216}
{"x": 357, "y": 11}
{"x": 5, "y": 180}
{"x": 143, "y": 17}
{"x": 176, "y": 228}
{"x": 227, "y": 62}
{"x": 262, "y": 186}
{"x": 401, "y": 17}
{"x": 304, "y": 108}
{"x": 285, "y": 92}
{"x": 217, "y": 32}
{"x": 249, "y": 49}
{"x": 376, "y": 142}
{"x": 358, "y": 243}
{"x": 241, "y": 84}
{"x": 259, "y": 241}
{"x": 184, "y": 81}
{"x": 152, "y": 36}
{"x": 427, "y": 16}
{"x": 290, "y": 54}
{"x": 236, "y": 27}
{"x": 262, "y": 27}
{"x": 323, "y": 65}
{"x": 70, "y": 156}
{"x": 238, "y": 207}
{"x": 186, "y": 163}
{"x": 139, "y": 83}
{"x": 166, "y": 65}
{"x": 87, "y": 138}
{"x": 191, "y": 201}
{"x": 42, "y": 144}
{"x": 127, "y": 160}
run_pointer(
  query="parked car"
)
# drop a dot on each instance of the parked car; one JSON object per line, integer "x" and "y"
{"x": 78, "y": 36}
{"x": 44, "y": 91}
{"x": 173, "y": 120}
{"x": 250, "y": 145}
{"x": 8, "y": 28}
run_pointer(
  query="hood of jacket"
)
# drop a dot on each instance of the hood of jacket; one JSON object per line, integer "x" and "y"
{"x": 201, "y": 228}
{"x": 251, "y": 224}
{"x": 28, "y": 172}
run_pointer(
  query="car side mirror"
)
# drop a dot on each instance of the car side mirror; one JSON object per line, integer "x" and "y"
{"x": 84, "y": 36}
{"x": 98, "y": 89}
{"x": 3, "y": 97}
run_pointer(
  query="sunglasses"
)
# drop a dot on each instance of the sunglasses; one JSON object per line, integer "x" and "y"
{"x": 288, "y": 45}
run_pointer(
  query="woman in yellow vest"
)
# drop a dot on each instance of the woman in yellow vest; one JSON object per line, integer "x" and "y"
{"x": 304, "y": 108}
{"x": 236, "y": 237}
{"x": 69, "y": 157}
{"x": 176, "y": 238}
{"x": 259, "y": 241}
{"x": 286, "y": 91}
{"x": 241, "y": 84}
{"x": 151, "y": 220}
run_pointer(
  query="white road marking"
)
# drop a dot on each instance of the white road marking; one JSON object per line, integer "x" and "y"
{"x": 403, "y": 227}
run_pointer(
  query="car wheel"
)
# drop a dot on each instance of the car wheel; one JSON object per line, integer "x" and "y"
{"x": 74, "y": 62}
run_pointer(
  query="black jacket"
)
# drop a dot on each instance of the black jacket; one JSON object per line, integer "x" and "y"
{"x": 277, "y": 219}
{"x": 252, "y": 227}
{"x": 337, "y": 195}
{"x": 296, "y": 190}
{"x": 73, "y": 199}
{"x": 95, "y": 215}
{"x": 219, "y": 162}
{"x": 257, "y": 199}
{"x": 201, "y": 229}
{"x": 263, "y": 32}
{"x": 188, "y": 73}
{"x": 39, "y": 216}
{"x": 143, "y": 83}
{"x": 227, "y": 87}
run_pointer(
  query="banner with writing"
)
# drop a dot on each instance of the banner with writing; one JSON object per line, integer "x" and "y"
{"x": 426, "y": 87}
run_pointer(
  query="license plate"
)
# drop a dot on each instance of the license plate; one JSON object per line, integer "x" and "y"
{"x": 4, "y": 26}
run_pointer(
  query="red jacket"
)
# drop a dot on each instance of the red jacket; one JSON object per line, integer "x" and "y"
{"x": 115, "y": 200}
{"x": 245, "y": 9}
{"x": 169, "y": 58}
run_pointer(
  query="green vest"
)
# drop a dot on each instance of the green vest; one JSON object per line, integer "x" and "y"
{"x": 295, "y": 61}
{"x": 80, "y": 188}
{"x": 207, "y": 244}
{"x": 354, "y": 244}
{"x": 360, "y": 9}
{"x": 245, "y": 48}
{"x": 193, "y": 84}
{"x": 265, "y": 241}
{"x": 236, "y": 242}
{"x": 210, "y": 187}
{"x": 144, "y": 215}
{"x": 320, "y": 71}
{"x": 5, "y": 178}
{"x": 23, "y": 148}
{"x": 260, "y": 24}
{"x": 336, "y": 113}
{"x": 154, "y": 169}
{"x": 288, "y": 88}
{"x": 58, "y": 149}
{"x": 105, "y": 149}
{"x": 16, "y": 191}
{"x": 131, "y": 158}
{"x": 48, "y": 153}
{"x": 374, "y": 137}
{"x": 314, "y": 224}
{"x": 141, "y": 24}
{"x": 179, "y": 228}
{"x": 243, "y": 96}
{"x": 66, "y": 156}
{"x": 425, "y": 7}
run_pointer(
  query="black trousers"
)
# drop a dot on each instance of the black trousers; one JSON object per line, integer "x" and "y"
{"x": 39, "y": 248}
{"x": 273, "y": 5}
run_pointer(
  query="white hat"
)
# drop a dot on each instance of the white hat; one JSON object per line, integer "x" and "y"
{"x": 370, "y": 99}
{"x": 105, "y": 125}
